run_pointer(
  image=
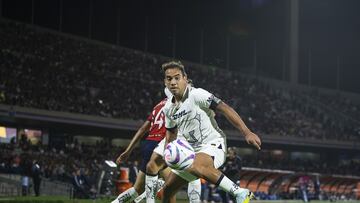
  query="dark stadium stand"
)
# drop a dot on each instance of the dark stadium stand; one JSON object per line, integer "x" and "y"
{"x": 53, "y": 76}
{"x": 59, "y": 164}
{"x": 61, "y": 73}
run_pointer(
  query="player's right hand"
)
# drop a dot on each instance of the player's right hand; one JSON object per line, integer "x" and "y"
{"x": 253, "y": 139}
{"x": 123, "y": 157}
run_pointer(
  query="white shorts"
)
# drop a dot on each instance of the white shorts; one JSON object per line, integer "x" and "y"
{"x": 160, "y": 148}
{"x": 216, "y": 149}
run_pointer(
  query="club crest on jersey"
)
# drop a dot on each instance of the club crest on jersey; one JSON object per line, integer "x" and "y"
{"x": 180, "y": 114}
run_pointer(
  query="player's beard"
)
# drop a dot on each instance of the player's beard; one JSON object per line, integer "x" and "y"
{"x": 175, "y": 91}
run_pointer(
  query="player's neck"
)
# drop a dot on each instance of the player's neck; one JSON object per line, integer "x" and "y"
{"x": 179, "y": 98}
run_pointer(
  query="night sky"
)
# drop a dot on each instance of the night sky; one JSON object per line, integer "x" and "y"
{"x": 329, "y": 28}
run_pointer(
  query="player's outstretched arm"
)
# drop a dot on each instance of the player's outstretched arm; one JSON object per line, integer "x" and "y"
{"x": 170, "y": 135}
{"x": 137, "y": 137}
{"x": 233, "y": 117}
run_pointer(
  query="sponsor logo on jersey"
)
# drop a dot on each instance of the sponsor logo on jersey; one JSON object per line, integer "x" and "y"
{"x": 181, "y": 114}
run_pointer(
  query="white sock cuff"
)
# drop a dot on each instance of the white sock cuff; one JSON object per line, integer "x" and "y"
{"x": 151, "y": 177}
{"x": 127, "y": 196}
{"x": 229, "y": 186}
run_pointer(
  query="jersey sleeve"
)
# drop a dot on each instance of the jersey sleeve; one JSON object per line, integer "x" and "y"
{"x": 170, "y": 124}
{"x": 205, "y": 99}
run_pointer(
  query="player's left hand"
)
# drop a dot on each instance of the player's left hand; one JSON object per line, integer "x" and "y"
{"x": 252, "y": 138}
{"x": 123, "y": 157}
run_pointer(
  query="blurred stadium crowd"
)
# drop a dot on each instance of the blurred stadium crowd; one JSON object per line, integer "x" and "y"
{"x": 81, "y": 166}
{"x": 49, "y": 71}
{"x": 59, "y": 163}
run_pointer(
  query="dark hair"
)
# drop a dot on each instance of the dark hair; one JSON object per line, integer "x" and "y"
{"x": 173, "y": 64}
{"x": 190, "y": 82}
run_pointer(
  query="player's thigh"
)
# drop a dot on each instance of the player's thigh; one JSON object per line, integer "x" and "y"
{"x": 156, "y": 162}
{"x": 202, "y": 159}
{"x": 165, "y": 173}
{"x": 203, "y": 167}
{"x": 213, "y": 154}
{"x": 210, "y": 157}
{"x": 173, "y": 184}
{"x": 140, "y": 182}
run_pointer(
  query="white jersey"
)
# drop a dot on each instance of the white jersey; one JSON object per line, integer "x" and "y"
{"x": 193, "y": 117}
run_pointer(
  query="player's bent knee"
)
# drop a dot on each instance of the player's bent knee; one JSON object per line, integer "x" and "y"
{"x": 152, "y": 168}
{"x": 139, "y": 183}
{"x": 139, "y": 189}
{"x": 198, "y": 170}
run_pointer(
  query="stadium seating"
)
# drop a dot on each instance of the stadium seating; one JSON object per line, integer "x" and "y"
{"x": 56, "y": 72}
{"x": 47, "y": 70}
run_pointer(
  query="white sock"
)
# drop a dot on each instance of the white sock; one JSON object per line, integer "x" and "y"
{"x": 228, "y": 186}
{"x": 160, "y": 184}
{"x": 127, "y": 196}
{"x": 194, "y": 191}
{"x": 151, "y": 188}
{"x": 140, "y": 197}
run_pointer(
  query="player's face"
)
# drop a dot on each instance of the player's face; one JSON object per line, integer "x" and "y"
{"x": 175, "y": 81}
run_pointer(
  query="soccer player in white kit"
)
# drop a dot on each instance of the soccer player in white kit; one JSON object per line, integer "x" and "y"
{"x": 187, "y": 116}
{"x": 152, "y": 151}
